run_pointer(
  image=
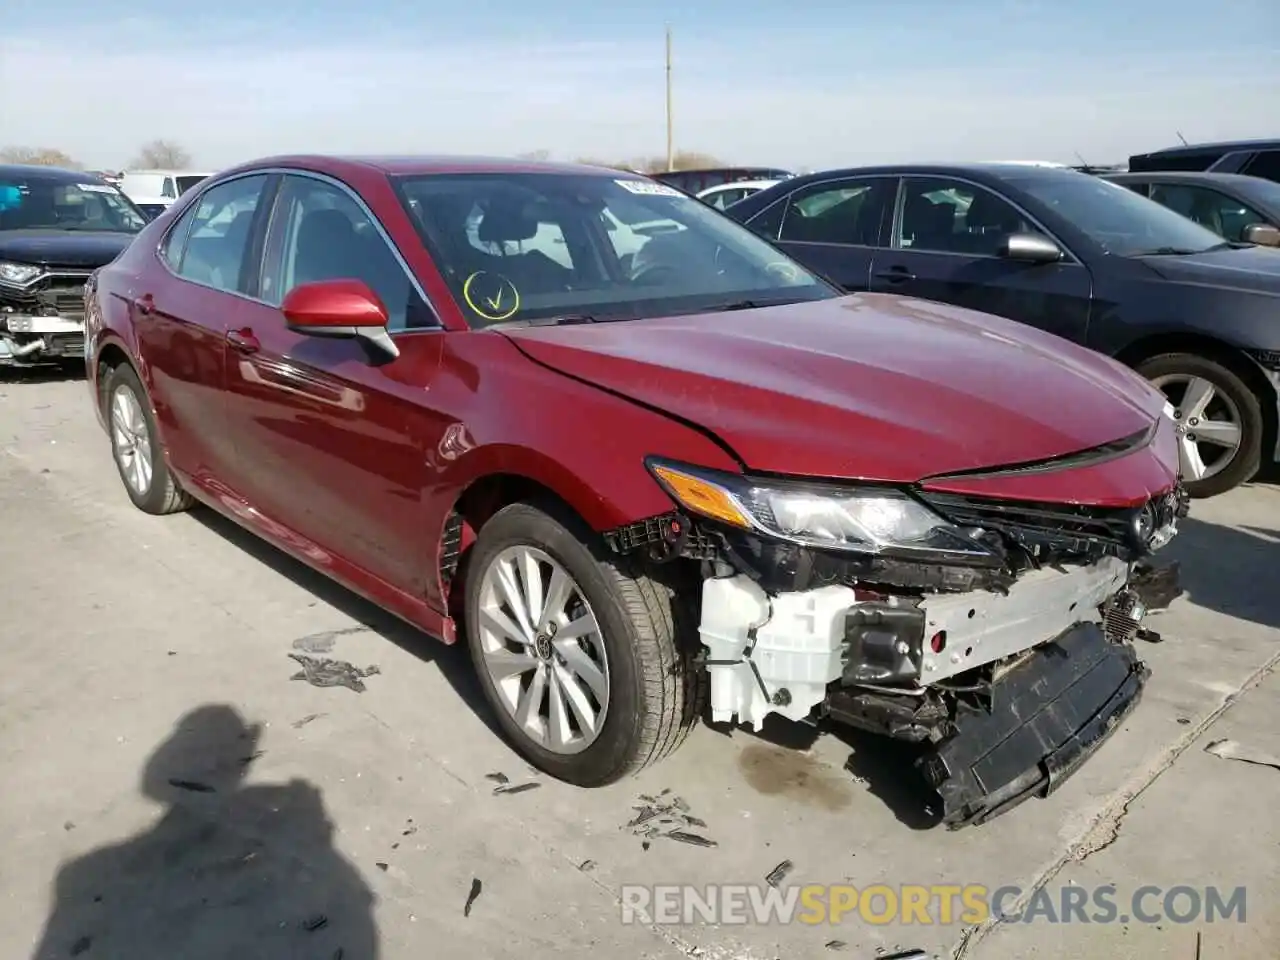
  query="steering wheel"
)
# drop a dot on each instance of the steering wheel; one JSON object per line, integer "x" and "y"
{"x": 646, "y": 274}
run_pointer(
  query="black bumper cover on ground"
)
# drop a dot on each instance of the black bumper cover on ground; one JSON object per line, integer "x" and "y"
{"x": 1047, "y": 717}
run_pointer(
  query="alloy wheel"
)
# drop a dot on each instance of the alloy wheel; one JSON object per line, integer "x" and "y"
{"x": 541, "y": 646}
{"x": 1209, "y": 424}
{"x": 132, "y": 440}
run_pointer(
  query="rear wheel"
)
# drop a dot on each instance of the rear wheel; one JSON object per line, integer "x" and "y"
{"x": 577, "y": 654}
{"x": 136, "y": 447}
{"x": 1219, "y": 418}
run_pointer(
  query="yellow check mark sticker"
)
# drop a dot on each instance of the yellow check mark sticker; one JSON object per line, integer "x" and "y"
{"x": 491, "y": 296}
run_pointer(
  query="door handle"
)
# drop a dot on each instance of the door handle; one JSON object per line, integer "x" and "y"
{"x": 896, "y": 275}
{"x": 145, "y": 304}
{"x": 243, "y": 340}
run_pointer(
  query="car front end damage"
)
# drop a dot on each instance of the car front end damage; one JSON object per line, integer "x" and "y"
{"x": 41, "y": 314}
{"x": 996, "y": 633}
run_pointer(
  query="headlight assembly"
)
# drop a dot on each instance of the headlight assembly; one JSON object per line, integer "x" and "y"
{"x": 18, "y": 274}
{"x": 865, "y": 520}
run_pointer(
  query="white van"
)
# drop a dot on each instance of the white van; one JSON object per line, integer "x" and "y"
{"x": 158, "y": 186}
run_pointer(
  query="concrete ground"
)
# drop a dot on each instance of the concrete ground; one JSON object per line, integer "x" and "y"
{"x": 146, "y": 661}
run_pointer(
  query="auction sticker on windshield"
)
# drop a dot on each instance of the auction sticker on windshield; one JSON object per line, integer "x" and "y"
{"x": 647, "y": 188}
{"x": 96, "y": 188}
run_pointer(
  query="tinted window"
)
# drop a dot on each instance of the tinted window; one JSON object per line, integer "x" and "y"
{"x": 176, "y": 241}
{"x": 1212, "y": 210}
{"x": 1118, "y": 220}
{"x": 1265, "y": 165}
{"x": 1139, "y": 188}
{"x": 722, "y": 198}
{"x": 46, "y": 203}
{"x": 768, "y": 222}
{"x": 631, "y": 248}
{"x": 839, "y": 211}
{"x": 218, "y": 238}
{"x": 186, "y": 183}
{"x": 949, "y": 216}
{"x": 319, "y": 232}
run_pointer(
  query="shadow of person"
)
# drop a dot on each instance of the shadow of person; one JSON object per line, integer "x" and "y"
{"x": 228, "y": 871}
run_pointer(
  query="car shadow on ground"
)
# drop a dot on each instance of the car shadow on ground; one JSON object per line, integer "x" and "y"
{"x": 47, "y": 373}
{"x": 452, "y": 660}
{"x": 1230, "y": 570}
{"x": 228, "y": 869}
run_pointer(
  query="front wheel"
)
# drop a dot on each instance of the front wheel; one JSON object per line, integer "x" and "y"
{"x": 578, "y": 655}
{"x": 1219, "y": 421}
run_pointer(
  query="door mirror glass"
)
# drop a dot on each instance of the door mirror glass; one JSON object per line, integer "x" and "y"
{"x": 1263, "y": 234}
{"x": 340, "y": 309}
{"x": 1030, "y": 247}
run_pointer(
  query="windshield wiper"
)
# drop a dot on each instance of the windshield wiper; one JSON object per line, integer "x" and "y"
{"x": 563, "y": 320}
{"x": 1179, "y": 251}
{"x": 750, "y": 304}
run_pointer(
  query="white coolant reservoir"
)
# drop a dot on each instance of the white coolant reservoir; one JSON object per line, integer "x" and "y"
{"x": 796, "y": 650}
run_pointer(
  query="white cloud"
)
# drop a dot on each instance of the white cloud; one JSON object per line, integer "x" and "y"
{"x": 228, "y": 96}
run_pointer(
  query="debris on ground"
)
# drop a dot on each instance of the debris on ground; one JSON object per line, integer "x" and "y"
{"x": 299, "y": 724}
{"x": 312, "y": 924}
{"x": 81, "y": 945}
{"x": 666, "y": 816}
{"x": 515, "y": 788}
{"x": 245, "y": 761}
{"x": 1233, "y": 750}
{"x": 323, "y": 672}
{"x": 384, "y": 867}
{"x": 476, "y": 887}
{"x": 323, "y": 641}
{"x": 586, "y": 866}
{"x": 68, "y": 826}
{"x": 779, "y": 873}
{"x": 835, "y": 944}
{"x": 194, "y": 786}
{"x": 497, "y": 777}
{"x": 914, "y": 953}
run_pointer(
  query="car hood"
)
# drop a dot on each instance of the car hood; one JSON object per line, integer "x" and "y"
{"x": 870, "y": 386}
{"x": 62, "y": 248}
{"x": 1253, "y": 269}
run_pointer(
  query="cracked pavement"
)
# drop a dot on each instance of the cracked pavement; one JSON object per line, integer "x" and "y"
{"x": 162, "y": 769}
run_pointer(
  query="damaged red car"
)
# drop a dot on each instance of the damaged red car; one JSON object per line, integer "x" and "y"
{"x": 636, "y": 457}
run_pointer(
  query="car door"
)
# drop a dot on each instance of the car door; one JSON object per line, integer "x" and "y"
{"x": 1212, "y": 209}
{"x": 834, "y": 226}
{"x": 331, "y": 447}
{"x": 946, "y": 245}
{"x": 181, "y": 313}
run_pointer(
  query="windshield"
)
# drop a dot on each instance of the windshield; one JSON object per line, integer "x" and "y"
{"x": 545, "y": 245}
{"x": 39, "y": 203}
{"x": 1117, "y": 219}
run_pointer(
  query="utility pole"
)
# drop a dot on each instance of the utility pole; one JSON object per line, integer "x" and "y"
{"x": 671, "y": 142}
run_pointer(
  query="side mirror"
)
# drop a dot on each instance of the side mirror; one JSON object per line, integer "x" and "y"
{"x": 1263, "y": 234}
{"x": 1031, "y": 248}
{"x": 343, "y": 310}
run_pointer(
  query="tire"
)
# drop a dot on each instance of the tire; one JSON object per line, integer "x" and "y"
{"x": 655, "y": 688}
{"x": 1233, "y": 398}
{"x": 161, "y": 493}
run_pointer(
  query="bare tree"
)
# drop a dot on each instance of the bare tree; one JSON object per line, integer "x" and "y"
{"x": 684, "y": 160}
{"x": 39, "y": 156}
{"x": 538, "y": 156}
{"x": 162, "y": 155}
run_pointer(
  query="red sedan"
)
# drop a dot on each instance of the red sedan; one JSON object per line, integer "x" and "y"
{"x": 636, "y": 454}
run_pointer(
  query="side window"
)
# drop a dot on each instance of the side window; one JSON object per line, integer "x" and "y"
{"x": 948, "y": 216}
{"x": 1139, "y": 187}
{"x": 318, "y": 232}
{"x": 768, "y": 222}
{"x": 175, "y": 244}
{"x": 1214, "y": 211}
{"x": 169, "y": 189}
{"x": 219, "y": 233}
{"x": 1265, "y": 165}
{"x": 841, "y": 211}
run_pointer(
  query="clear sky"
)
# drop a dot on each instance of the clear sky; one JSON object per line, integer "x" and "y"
{"x": 800, "y": 84}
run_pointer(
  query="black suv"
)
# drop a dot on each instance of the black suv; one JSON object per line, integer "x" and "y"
{"x": 1253, "y": 158}
{"x": 56, "y": 228}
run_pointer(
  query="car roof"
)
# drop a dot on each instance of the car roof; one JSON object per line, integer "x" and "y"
{"x": 1190, "y": 176}
{"x": 1226, "y": 146}
{"x": 398, "y": 166}
{"x": 737, "y": 184}
{"x": 994, "y": 170}
{"x": 57, "y": 174}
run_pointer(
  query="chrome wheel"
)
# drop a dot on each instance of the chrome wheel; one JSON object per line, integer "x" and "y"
{"x": 131, "y": 440}
{"x": 541, "y": 646}
{"x": 1209, "y": 424}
